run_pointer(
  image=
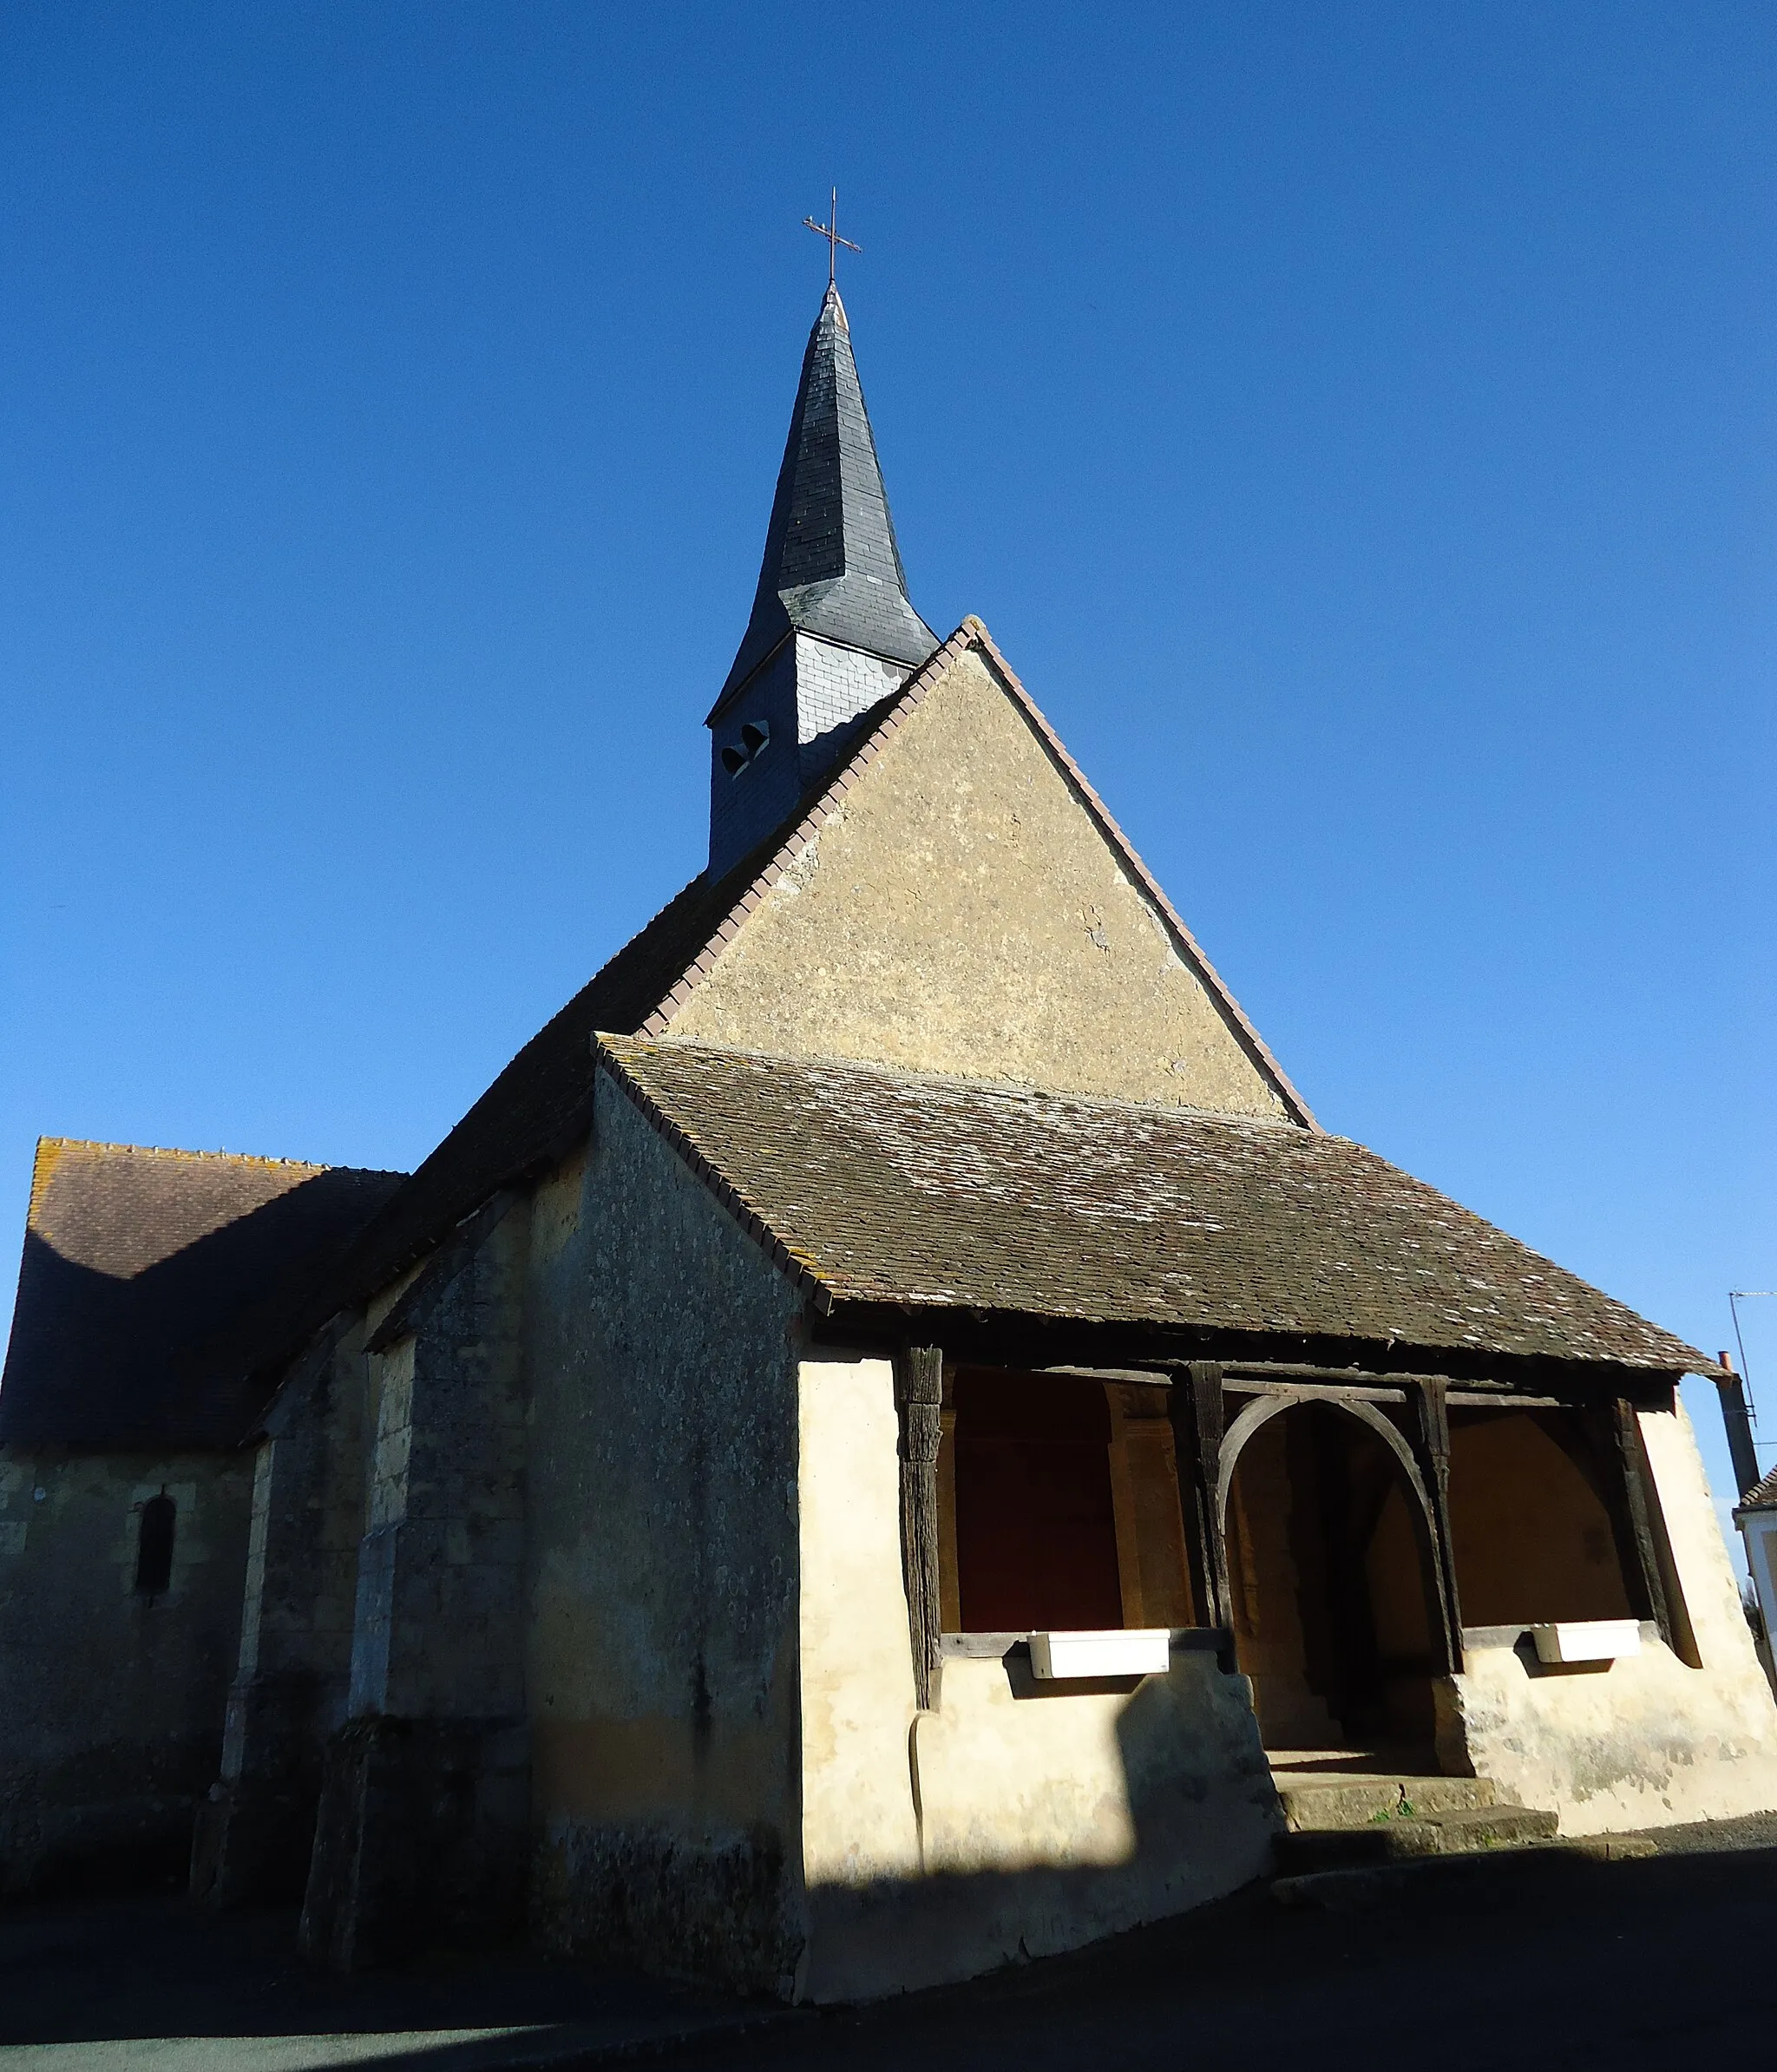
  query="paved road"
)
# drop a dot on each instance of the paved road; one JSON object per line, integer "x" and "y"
{"x": 1643, "y": 1966}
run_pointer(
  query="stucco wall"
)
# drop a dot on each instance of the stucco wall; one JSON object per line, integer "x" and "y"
{"x": 111, "y": 1703}
{"x": 962, "y": 913}
{"x": 1650, "y": 1741}
{"x": 1015, "y": 1819}
{"x": 661, "y": 1646}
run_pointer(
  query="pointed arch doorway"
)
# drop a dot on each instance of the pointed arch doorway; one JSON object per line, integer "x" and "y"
{"x": 1332, "y": 1575}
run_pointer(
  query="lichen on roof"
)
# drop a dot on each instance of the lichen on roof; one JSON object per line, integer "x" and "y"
{"x": 890, "y": 1187}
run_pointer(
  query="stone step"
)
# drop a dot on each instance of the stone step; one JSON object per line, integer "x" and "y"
{"x": 1457, "y": 1830}
{"x": 1315, "y": 1805}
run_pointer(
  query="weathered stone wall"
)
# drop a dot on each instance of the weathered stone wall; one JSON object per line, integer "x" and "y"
{"x": 440, "y": 1569}
{"x": 289, "y": 1693}
{"x": 1649, "y": 1740}
{"x": 421, "y": 1826}
{"x": 962, "y": 913}
{"x": 663, "y": 1556}
{"x": 1014, "y": 1818}
{"x": 111, "y": 1703}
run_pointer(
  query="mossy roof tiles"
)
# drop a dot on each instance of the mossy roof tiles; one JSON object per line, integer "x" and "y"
{"x": 882, "y": 1187}
{"x": 153, "y": 1280}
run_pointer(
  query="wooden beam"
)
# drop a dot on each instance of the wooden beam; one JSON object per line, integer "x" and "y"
{"x": 1431, "y": 1419}
{"x": 920, "y": 1402}
{"x": 1254, "y": 1377}
{"x": 1634, "y": 1463}
{"x": 1196, "y": 1408}
{"x": 1313, "y": 1391}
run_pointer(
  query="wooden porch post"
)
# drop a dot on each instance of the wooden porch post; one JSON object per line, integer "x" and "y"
{"x": 1428, "y": 1398}
{"x": 919, "y": 1398}
{"x": 1634, "y": 1463}
{"x": 1195, "y": 1406}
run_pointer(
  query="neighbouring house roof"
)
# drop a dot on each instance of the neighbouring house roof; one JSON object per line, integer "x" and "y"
{"x": 542, "y": 1102}
{"x": 152, "y": 1284}
{"x": 875, "y": 1186}
{"x": 831, "y": 566}
{"x": 1762, "y": 1496}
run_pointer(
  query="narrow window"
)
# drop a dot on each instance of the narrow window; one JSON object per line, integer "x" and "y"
{"x": 153, "y": 1546}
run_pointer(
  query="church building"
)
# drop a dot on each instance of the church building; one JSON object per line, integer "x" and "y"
{"x": 888, "y": 1439}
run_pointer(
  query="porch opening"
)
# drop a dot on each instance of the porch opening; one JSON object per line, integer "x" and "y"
{"x": 1539, "y": 1520}
{"x": 1058, "y": 1510}
{"x": 1333, "y": 1593}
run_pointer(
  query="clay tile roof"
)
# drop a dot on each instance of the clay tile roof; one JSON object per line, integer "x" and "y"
{"x": 1762, "y": 1496}
{"x": 877, "y": 1186}
{"x": 152, "y": 1281}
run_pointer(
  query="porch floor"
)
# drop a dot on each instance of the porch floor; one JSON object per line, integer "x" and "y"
{"x": 1371, "y": 1765}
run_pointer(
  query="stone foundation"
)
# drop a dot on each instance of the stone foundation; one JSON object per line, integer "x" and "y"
{"x": 420, "y": 1837}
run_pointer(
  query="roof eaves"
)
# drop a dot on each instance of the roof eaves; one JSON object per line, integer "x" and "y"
{"x": 800, "y": 1270}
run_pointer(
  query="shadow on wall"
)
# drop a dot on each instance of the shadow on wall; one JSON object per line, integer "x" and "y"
{"x": 1049, "y": 1816}
{"x": 122, "y": 1567}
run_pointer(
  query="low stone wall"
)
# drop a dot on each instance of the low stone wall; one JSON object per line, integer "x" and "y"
{"x": 1643, "y": 1742}
{"x": 1651, "y": 1739}
{"x": 1016, "y": 1818}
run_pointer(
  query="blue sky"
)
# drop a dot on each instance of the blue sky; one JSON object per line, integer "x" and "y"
{"x": 1355, "y": 421}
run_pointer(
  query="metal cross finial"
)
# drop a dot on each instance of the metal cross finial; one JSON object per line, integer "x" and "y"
{"x": 829, "y": 230}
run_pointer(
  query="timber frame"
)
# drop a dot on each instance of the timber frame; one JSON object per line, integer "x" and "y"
{"x": 919, "y": 1401}
{"x": 1216, "y": 1406}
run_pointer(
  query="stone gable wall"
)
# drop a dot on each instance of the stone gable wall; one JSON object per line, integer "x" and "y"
{"x": 962, "y": 913}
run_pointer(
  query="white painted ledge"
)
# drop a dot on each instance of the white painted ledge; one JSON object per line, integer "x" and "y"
{"x": 1587, "y": 1640}
{"x": 1126, "y": 1651}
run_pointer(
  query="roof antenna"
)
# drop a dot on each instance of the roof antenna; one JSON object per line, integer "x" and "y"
{"x": 829, "y": 230}
{"x": 1737, "y": 1412}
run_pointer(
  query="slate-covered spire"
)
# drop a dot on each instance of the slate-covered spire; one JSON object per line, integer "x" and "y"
{"x": 831, "y": 632}
{"x": 831, "y": 566}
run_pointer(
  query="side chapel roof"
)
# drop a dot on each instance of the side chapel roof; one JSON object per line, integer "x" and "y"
{"x": 542, "y": 1101}
{"x": 831, "y": 565}
{"x": 879, "y": 1186}
{"x": 152, "y": 1281}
